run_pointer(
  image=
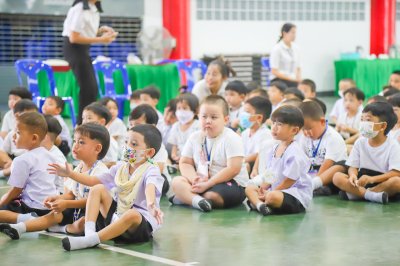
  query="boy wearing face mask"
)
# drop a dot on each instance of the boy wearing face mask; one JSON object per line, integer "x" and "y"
{"x": 374, "y": 162}
{"x": 186, "y": 113}
{"x": 256, "y": 110}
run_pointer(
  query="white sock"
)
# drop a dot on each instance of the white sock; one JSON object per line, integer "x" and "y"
{"x": 2, "y": 173}
{"x": 20, "y": 227}
{"x": 176, "y": 201}
{"x": 26, "y": 217}
{"x": 90, "y": 228}
{"x": 259, "y": 205}
{"x": 352, "y": 196}
{"x": 316, "y": 182}
{"x": 81, "y": 242}
{"x": 58, "y": 229}
{"x": 195, "y": 202}
{"x": 373, "y": 196}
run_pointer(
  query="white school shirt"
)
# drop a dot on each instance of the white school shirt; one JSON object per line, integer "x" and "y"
{"x": 165, "y": 133}
{"x": 234, "y": 114}
{"x": 59, "y": 159}
{"x": 265, "y": 147}
{"x": 178, "y": 137}
{"x": 225, "y": 146}
{"x": 65, "y": 134}
{"x": 85, "y": 22}
{"x": 339, "y": 109}
{"x": 332, "y": 147}
{"x": 9, "y": 122}
{"x": 81, "y": 191}
{"x": 112, "y": 153}
{"x": 286, "y": 59}
{"x": 160, "y": 123}
{"x": 9, "y": 145}
{"x": 252, "y": 143}
{"x": 118, "y": 130}
{"x": 353, "y": 122}
{"x": 161, "y": 156}
{"x": 395, "y": 134}
{"x": 29, "y": 172}
{"x": 382, "y": 159}
{"x": 201, "y": 90}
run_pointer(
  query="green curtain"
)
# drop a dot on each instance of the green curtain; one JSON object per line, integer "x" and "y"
{"x": 165, "y": 77}
{"x": 370, "y": 75}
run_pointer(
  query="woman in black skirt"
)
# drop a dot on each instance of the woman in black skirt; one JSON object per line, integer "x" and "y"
{"x": 81, "y": 29}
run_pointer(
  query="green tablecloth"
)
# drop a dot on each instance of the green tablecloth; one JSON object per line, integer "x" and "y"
{"x": 165, "y": 77}
{"x": 370, "y": 75}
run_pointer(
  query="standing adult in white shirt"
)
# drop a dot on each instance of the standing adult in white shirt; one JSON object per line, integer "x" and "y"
{"x": 285, "y": 59}
{"x": 81, "y": 29}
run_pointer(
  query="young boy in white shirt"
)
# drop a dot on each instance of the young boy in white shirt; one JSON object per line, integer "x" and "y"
{"x": 324, "y": 147}
{"x": 308, "y": 88}
{"x": 374, "y": 162}
{"x": 54, "y": 105}
{"x": 8, "y": 122}
{"x": 151, "y": 95}
{"x": 338, "y": 107}
{"x": 235, "y": 94}
{"x": 255, "y": 112}
{"x": 29, "y": 180}
{"x": 276, "y": 93}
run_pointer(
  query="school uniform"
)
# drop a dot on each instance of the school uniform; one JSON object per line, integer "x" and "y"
{"x": 112, "y": 153}
{"x": 80, "y": 191}
{"x": 178, "y": 137}
{"x": 165, "y": 133}
{"x": 339, "y": 108}
{"x": 252, "y": 143}
{"x": 210, "y": 156}
{"x": 160, "y": 122}
{"x": 394, "y": 134}
{"x": 330, "y": 146}
{"x": 8, "y": 122}
{"x": 59, "y": 159}
{"x": 353, "y": 122}
{"x": 118, "y": 131}
{"x": 65, "y": 135}
{"x": 29, "y": 172}
{"x": 86, "y": 23}
{"x": 149, "y": 224}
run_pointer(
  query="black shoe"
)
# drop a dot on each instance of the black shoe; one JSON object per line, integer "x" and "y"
{"x": 385, "y": 198}
{"x": 343, "y": 195}
{"x": 322, "y": 191}
{"x": 171, "y": 199}
{"x": 247, "y": 204}
{"x": 66, "y": 244}
{"x": 9, "y": 231}
{"x": 265, "y": 210}
{"x": 205, "y": 205}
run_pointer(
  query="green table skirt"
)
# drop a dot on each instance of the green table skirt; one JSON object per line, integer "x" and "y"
{"x": 370, "y": 75}
{"x": 165, "y": 77}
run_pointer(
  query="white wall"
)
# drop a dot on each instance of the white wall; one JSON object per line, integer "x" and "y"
{"x": 320, "y": 42}
{"x": 152, "y": 13}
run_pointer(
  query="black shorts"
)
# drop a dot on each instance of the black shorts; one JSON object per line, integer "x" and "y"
{"x": 290, "y": 205}
{"x": 69, "y": 216}
{"x": 141, "y": 234}
{"x": 368, "y": 172}
{"x": 19, "y": 207}
{"x": 232, "y": 194}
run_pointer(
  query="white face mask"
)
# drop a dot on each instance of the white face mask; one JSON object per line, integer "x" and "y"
{"x": 341, "y": 94}
{"x": 367, "y": 129}
{"x": 184, "y": 116}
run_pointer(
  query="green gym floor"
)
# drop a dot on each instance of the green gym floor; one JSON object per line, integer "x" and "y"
{"x": 332, "y": 232}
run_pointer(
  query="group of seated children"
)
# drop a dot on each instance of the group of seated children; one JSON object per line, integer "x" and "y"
{"x": 271, "y": 151}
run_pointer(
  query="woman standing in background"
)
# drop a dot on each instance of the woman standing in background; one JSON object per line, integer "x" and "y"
{"x": 81, "y": 29}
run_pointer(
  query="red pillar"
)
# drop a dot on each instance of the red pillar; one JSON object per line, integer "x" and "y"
{"x": 176, "y": 18}
{"x": 383, "y": 21}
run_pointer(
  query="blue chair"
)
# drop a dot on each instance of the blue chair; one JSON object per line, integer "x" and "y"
{"x": 265, "y": 65}
{"x": 31, "y": 68}
{"x": 188, "y": 67}
{"x": 108, "y": 68}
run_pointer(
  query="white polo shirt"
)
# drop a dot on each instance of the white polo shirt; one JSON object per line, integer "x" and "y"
{"x": 284, "y": 58}
{"x": 85, "y": 22}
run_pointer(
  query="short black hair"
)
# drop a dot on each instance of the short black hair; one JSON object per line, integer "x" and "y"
{"x": 24, "y": 105}
{"x": 312, "y": 110}
{"x": 104, "y": 101}
{"x": 279, "y": 85}
{"x": 53, "y": 126}
{"x": 135, "y": 95}
{"x": 295, "y": 91}
{"x": 172, "y": 105}
{"x": 261, "y": 92}
{"x": 152, "y": 91}
{"x": 310, "y": 83}
{"x": 150, "y": 115}
{"x": 385, "y": 113}
{"x": 389, "y": 91}
{"x": 394, "y": 101}
{"x": 152, "y": 136}
{"x": 321, "y": 103}
{"x": 261, "y": 105}
{"x": 378, "y": 98}
{"x": 21, "y": 92}
{"x": 396, "y": 72}
{"x": 96, "y": 132}
{"x": 99, "y": 110}
{"x": 191, "y": 100}
{"x": 288, "y": 114}
{"x": 237, "y": 86}
{"x": 58, "y": 100}
{"x": 252, "y": 85}
{"x": 359, "y": 94}
{"x": 217, "y": 100}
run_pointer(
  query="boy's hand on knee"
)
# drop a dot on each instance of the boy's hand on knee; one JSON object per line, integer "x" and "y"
{"x": 353, "y": 180}
{"x": 364, "y": 180}
{"x": 58, "y": 206}
{"x": 47, "y": 202}
{"x": 201, "y": 187}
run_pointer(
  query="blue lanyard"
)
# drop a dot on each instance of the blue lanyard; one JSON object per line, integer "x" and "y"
{"x": 315, "y": 152}
{"x": 206, "y": 149}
